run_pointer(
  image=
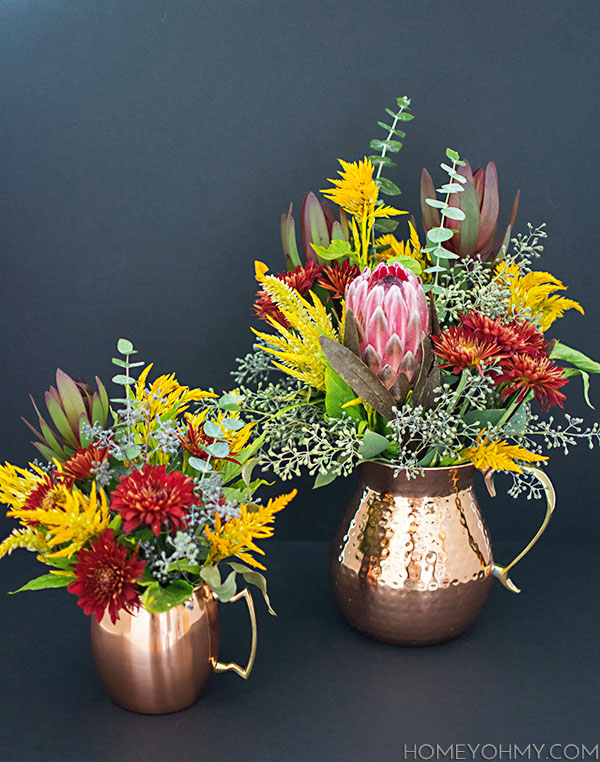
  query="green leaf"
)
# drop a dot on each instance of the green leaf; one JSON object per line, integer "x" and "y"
{"x": 438, "y": 235}
{"x": 408, "y": 262}
{"x": 123, "y": 380}
{"x": 389, "y": 145}
{"x": 435, "y": 203}
{"x": 452, "y": 155}
{"x": 484, "y": 417}
{"x": 453, "y": 212}
{"x": 211, "y": 575}
{"x": 453, "y": 174}
{"x": 386, "y": 226}
{"x": 46, "y": 581}
{"x": 322, "y": 479}
{"x": 115, "y": 523}
{"x": 405, "y": 117}
{"x": 254, "y": 578}
{"x": 120, "y": 363}
{"x": 212, "y": 430}
{"x": 372, "y": 445}
{"x": 337, "y": 393}
{"x": 388, "y": 187}
{"x": 133, "y": 451}
{"x": 518, "y": 421}
{"x": 573, "y": 356}
{"x": 359, "y": 377}
{"x": 585, "y": 377}
{"x": 157, "y": 599}
{"x": 381, "y": 160}
{"x": 227, "y": 589}
{"x": 124, "y": 346}
{"x": 441, "y": 253}
{"x": 337, "y": 248}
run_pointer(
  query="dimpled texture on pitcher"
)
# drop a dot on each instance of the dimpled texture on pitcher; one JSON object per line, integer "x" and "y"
{"x": 411, "y": 563}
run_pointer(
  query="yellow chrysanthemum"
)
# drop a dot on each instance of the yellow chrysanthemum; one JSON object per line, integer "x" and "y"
{"x": 533, "y": 295}
{"x": 235, "y": 537}
{"x": 358, "y": 194}
{"x": 16, "y": 483}
{"x": 71, "y": 519}
{"x": 24, "y": 537}
{"x": 166, "y": 395}
{"x": 297, "y": 347}
{"x": 499, "y": 455}
{"x": 390, "y": 247}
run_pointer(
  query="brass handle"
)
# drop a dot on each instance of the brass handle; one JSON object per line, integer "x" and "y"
{"x": 501, "y": 572}
{"x": 232, "y": 666}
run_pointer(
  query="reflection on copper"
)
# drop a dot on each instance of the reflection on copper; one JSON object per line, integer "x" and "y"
{"x": 412, "y": 562}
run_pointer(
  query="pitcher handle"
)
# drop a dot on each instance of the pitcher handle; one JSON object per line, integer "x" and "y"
{"x": 501, "y": 572}
{"x": 232, "y": 666}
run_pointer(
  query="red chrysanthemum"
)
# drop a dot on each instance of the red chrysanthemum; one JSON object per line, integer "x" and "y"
{"x": 106, "y": 578}
{"x": 337, "y": 276}
{"x": 154, "y": 498}
{"x": 196, "y": 440}
{"x": 462, "y": 349}
{"x": 302, "y": 279}
{"x": 515, "y": 336}
{"x": 523, "y": 373}
{"x": 81, "y": 465}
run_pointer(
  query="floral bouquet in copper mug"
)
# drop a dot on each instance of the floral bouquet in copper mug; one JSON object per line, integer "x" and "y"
{"x": 416, "y": 364}
{"x": 138, "y": 518}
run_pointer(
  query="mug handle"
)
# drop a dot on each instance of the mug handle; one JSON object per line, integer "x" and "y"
{"x": 501, "y": 572}
{"x": 232, "y": 666}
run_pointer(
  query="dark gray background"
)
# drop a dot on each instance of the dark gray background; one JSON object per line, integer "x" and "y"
{"x": 147, "y": 150}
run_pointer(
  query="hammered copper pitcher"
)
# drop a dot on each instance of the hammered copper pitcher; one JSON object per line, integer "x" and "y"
{"x": 160, "y": 663}
{"x": 411, "y": 562}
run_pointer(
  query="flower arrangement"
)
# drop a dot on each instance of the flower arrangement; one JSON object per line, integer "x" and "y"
{"x": 431, "y": 351}
{"x": 141, "y": 511}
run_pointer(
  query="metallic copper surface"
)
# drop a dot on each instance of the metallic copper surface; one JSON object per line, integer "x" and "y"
{"x": 158, "y": 663}
{"x": 411, "y": 563}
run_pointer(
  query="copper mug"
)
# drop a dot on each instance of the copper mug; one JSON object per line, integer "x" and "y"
{"x": 161, "y": 663}
{"x": 411, "y": 563}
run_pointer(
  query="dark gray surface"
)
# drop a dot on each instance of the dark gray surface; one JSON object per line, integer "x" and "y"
{"x": 149, "y": 147}
{"x": 527, "y": 672}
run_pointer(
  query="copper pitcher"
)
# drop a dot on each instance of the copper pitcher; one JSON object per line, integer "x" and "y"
{"x": 411, "y": 562}
{"x": 160, "y": 663}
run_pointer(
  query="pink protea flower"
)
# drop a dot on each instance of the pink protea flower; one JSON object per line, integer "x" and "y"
{"x": 392, "y": 318}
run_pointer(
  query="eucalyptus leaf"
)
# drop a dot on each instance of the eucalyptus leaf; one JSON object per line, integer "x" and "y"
{"x": 230, "y": 401}
{"x": 123, "y": 380}
{"x": 200, "y": 465}
{"x": 124, "y": 346}
{"x": 389, "y": 145}
{"x": 453, "y": 213}
{"x": 451, "y": 188}
{"x": 232, "y": 424}
{"x": 218, "y": 449}
{"x": 381, "y": 160}
{"x": 212, "y": 430}
{"x": 435, "y": 203}
{"x": 518, "y": 421}
{"x": 405, "y": 117}
{"x": 439, "y": 235}
{"x": 452, "y": 154}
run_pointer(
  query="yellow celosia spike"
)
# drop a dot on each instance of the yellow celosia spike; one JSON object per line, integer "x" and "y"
{"x": 27, "y": 538}
{"x": 499, "y": 455}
